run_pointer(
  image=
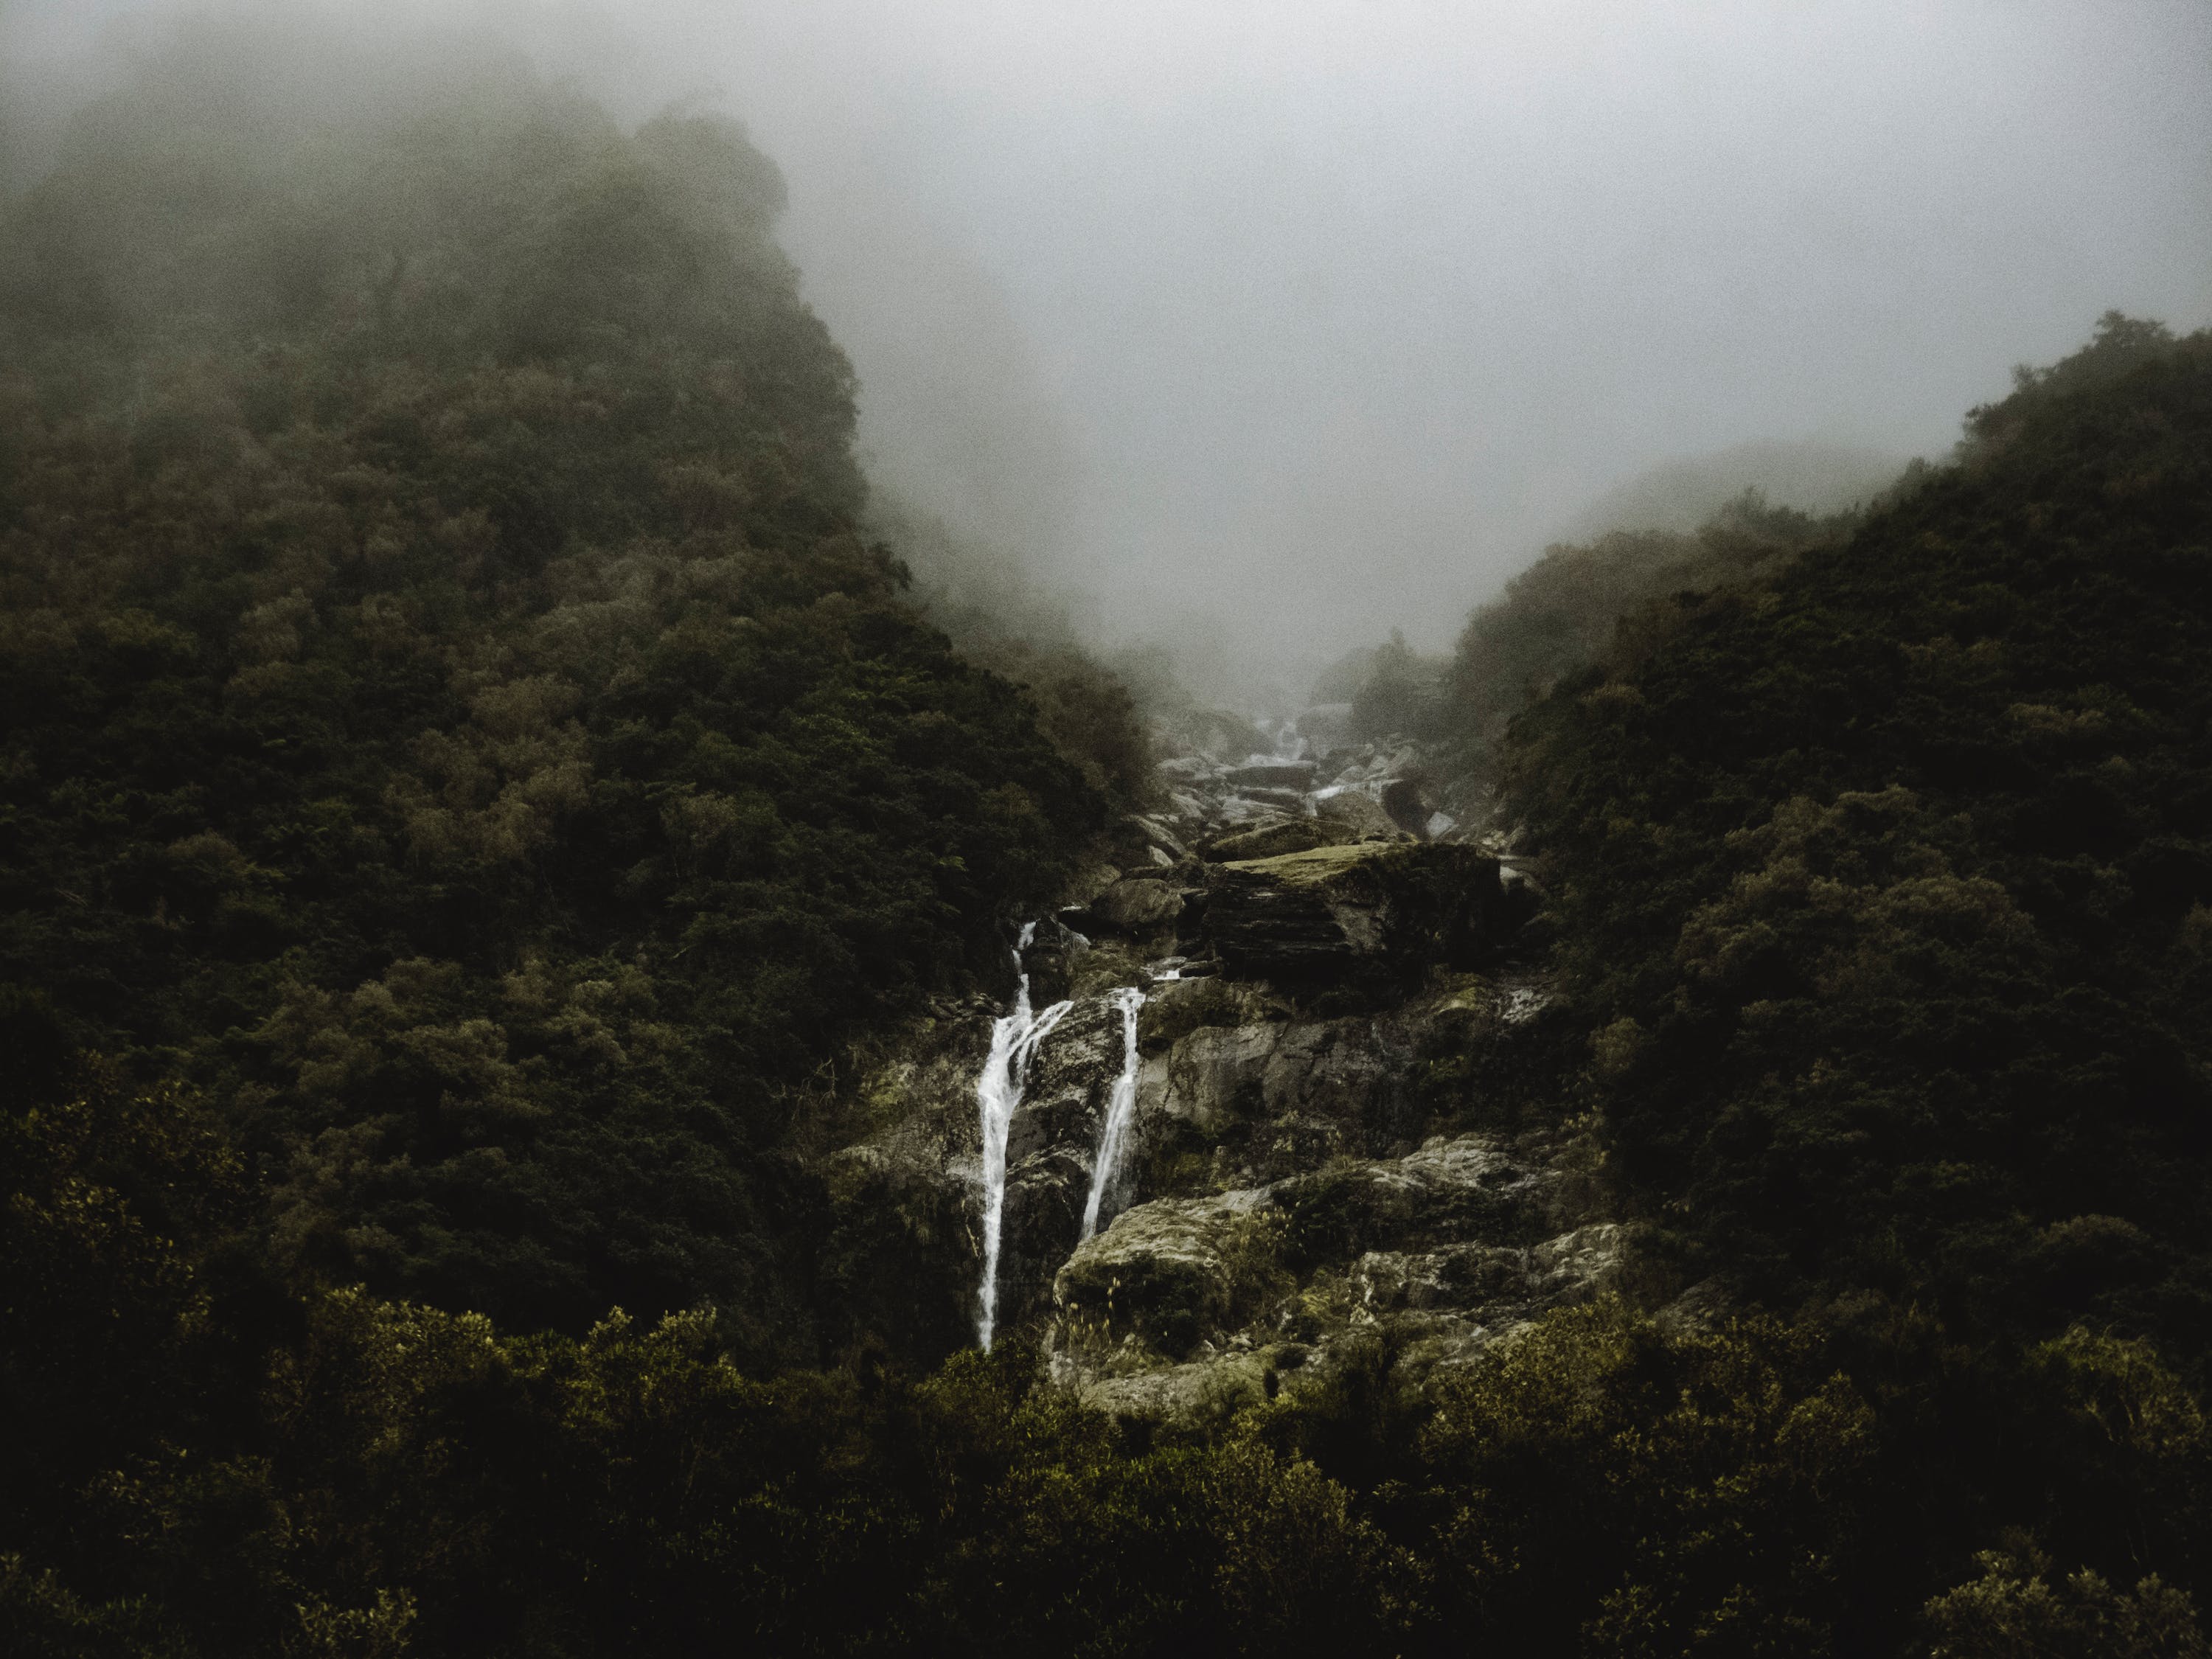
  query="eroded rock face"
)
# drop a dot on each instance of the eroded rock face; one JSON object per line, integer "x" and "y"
{"x": 1050, "y": 1149}
{"x": 903, "y": 1251}
{"x": 1385, "y": 910}
{"x": 1137, "y": 905}
{"x": 1183, "y": 1302}
{"x": 1165, "y": 1271}
{"x": 1287, "y": 1198}
{"x": 1265, "y": 1099}
{"x": 1283, "y": 1191}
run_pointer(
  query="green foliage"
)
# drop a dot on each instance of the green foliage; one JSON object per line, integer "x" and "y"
{"x": 1881, "y": 883}
{"x": 406, "y": 1479}
{"x": 1606, "y": 1488}
{"x": 107, "y": 1195}
{"x": 465, "y": 762}
{"x": 1564, "y": 611}
{"x": 1397, "y": 695}
{"x": 452, "y": 714}
{"x": 344, "y": 1473}
{"x": 998, "y": 618}
{"x": 2012, "y": 1612}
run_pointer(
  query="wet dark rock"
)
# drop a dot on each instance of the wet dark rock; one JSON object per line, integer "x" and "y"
{"x": 1137, "y": 905}
{"x": 1051, "y": 959}
{"x": 1382, "y": 910}
{"x": 1408, "y": 806}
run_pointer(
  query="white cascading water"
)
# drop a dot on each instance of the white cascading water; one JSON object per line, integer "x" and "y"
{"x": 1120, "y": 1111}
{"x": 1014, "y": 1040}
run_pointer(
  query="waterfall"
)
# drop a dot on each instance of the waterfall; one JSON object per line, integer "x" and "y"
{"x": 1014, "y": 1040}
{"x": 1121, "y": 1110}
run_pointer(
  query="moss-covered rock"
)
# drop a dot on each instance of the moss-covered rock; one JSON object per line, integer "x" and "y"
{"x": 1271, "y": 839}
{"x": 1177, "y": 1007}
{"x": 1183, "y": 1301}
{"x": 1171, "y": 1272}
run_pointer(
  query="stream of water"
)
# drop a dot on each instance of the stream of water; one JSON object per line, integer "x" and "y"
{"x": 1121, "y": 1112}
{"x": 1014, "y": 1040}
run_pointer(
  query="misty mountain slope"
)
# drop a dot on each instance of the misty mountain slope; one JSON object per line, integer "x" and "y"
{"x": 452, "y": 713}
{"x": 1561, "y": 614}
{"x": 1818, "y": 478}
{"x": 507, "y": 1095}
{"x": 1884, "y": 884}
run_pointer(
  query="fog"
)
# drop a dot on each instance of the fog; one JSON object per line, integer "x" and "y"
{"x": 1262, "y": 329}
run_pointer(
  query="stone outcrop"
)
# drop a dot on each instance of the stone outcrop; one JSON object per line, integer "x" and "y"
{"x": 1166, "y": 1272}
{"x": 1366, "y": 910}
{"x": 1266, "y": 1144}
{"x": 1309, "y": 963}
{"x": 1183, "y": 1303}
{"x": 1351, "y": 814}
{"x": 1136, "y": 905}
{"x": 1269, "y": 840}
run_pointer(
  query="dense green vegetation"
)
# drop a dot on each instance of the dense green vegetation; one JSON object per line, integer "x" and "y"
{"x": 1560, "y": 615}
{"x": 452, "y": 716}
{"x": 467, "y": 767}
{"x": 221, "y": 1467}
{"x": 1887, "y": 880}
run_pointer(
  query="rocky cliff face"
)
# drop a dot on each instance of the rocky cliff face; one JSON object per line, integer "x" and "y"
{"x": 1312, "y": 1160}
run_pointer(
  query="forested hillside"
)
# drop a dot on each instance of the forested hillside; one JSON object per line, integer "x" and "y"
{"x": 1560, "y": 616}
{"x": 453, "y": 721}
{"x": 472, "y": 788}
{"x": 1885, "y": 881}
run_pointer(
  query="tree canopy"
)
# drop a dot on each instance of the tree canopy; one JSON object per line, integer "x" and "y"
{"x": 453, "y": 715}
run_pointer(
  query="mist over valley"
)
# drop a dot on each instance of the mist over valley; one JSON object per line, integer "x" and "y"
{"x": 976, "y": 828}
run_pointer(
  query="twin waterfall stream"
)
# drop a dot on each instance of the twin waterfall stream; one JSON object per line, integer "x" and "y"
{"x": 1015, "y": 1038}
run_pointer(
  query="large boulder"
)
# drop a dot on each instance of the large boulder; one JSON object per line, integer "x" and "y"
{"x": 1267, "y": 840}
{"x": 1351, "y": 814}
{"x": 1407, "y": 802}
{"x": 1166, "y": 1272}
{"x": 1137, "y": 905}
{"x": 1370, "y": 910}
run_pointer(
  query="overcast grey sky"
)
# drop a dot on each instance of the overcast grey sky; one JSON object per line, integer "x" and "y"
{"x": 1291, "y": 322}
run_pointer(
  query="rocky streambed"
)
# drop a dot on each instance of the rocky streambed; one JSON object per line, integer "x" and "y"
{"x": 1325, "y": 1145}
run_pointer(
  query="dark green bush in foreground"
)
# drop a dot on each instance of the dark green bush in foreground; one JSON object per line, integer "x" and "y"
{"x": 223, "y": 1466}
